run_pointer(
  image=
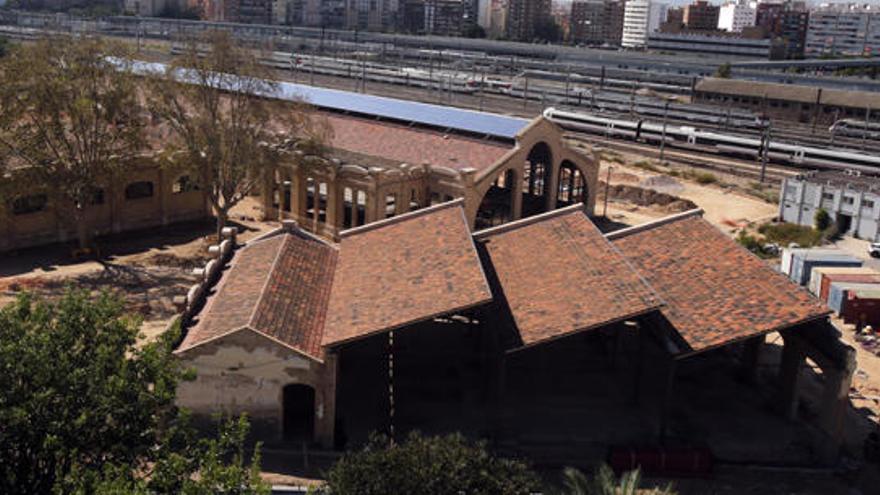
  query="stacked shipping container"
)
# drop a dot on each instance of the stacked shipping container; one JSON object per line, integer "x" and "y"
{"x": 802, "y": 262}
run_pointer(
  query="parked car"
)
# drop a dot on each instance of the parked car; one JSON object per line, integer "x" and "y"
{"x": 874, "y": 249}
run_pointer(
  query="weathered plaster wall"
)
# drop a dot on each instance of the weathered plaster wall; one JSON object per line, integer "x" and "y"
{"x": 247, "y": 372}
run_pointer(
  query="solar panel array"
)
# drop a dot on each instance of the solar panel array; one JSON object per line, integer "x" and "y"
{"x": 472, "y": 121}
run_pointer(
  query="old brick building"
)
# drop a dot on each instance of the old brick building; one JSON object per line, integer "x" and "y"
{"x": 145, "y": 197}
{"x": 375, "y": 168}
{"x": 541, "y": 334}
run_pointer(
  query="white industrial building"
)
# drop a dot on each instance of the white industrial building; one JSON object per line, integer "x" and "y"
{"x": 640, "y": 19}
{"x": 736, "y": 15}
{"x": 851, "y": 199}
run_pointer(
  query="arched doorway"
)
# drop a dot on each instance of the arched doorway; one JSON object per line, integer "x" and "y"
{"x": 497, "y": 205}
{"x": 572, "y": 187}
{"x": 299, "y": 413}
{"x": 536, "y": 179}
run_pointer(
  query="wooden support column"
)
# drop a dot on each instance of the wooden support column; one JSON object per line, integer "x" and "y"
{"x": 640, "y": 366}
{"x": 751, "y": 355}
{"x": 790, "y": 376}
{"x": 667, "y": 399}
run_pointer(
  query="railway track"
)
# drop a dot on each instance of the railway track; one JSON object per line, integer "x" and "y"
{"x": 706, "y": 161}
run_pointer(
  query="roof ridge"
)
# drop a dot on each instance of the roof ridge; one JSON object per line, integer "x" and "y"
{"x": 400, "y": 218}
{"x": 269, "y": 273}
{"x": 635, "y": 229}
{"x": 522, "y": 222}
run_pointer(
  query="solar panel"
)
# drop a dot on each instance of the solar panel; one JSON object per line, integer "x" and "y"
{"x": 472, "y": 121}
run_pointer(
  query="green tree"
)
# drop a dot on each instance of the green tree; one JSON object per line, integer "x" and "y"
{"x": 86, "y": 407}
{"x": 70, "y": 120}
{"x": 229, "y": 141}
{"x": 198, "y": 467}
{"x": 429, "y": 465}
{"x": 76, "y": 390}
{"x": 723, "y": 71}
{"x": 822, "y": 220}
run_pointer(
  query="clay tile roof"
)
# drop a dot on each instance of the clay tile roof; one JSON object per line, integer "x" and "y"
{"x": 279, "y": 287}
{"x": 403, "y": 270}
{"x": 560, "y": 275}
{"x": 715, "y": 291}
{"x": 412, "y": 145}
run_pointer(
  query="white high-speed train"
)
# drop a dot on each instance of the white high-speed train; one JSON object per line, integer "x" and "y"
{"x": 723, "y": 144}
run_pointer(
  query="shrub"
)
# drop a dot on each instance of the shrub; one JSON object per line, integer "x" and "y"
{"x": 439, "y": 465}
{"x": 787, "y": 233}
{"x": 705, "y": 178}
{"x": 646, "y": 165}
{"x": 822, "y": 220}
{"x": 750, "y": 242}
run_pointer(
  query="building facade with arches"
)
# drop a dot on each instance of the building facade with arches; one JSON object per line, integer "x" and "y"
{"x": 378, "y": 169}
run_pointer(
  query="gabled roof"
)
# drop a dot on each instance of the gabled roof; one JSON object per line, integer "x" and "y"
{"x": 403, "y": 270}
{"x": 277, "y": 286}
{"x": 715, "y": 291}
{"x": 560, "y": 275}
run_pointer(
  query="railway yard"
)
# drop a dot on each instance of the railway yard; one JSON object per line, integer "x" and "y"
{"x": 657, "y": 153}
{"x": 613, "y": 97}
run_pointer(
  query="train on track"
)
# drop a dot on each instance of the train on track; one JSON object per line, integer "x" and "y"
{"x": 691, "y": 138}
{"x": 856, "y": 128}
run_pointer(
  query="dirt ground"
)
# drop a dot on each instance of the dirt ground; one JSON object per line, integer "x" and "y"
{"x": 724, "y": 203}
{"x": 148, "y": 268}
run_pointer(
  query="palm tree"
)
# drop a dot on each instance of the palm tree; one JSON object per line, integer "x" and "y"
{"x": 604, "y": 482}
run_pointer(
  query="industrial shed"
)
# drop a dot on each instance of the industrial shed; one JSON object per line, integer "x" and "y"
{"x": 543, "y": 334}
{"x": 803, "y": 104}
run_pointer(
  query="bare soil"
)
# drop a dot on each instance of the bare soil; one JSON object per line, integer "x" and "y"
{"x": 639, "y": 194}
{"x": 147, "y": 269}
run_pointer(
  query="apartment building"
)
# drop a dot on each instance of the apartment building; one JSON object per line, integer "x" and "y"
{"x": 597, "y": 22}
{"x": 734, "y": 16}
{"x": 641, "y": 18}
{"x": 701, "y": 16}
{"x": 523, "y": 16}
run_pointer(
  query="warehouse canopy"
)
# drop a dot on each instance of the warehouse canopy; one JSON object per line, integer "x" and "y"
{"x": 715, "y": 291}
{"x": 559, "y": 275}
{"x": 551, "y": 275}
{"x": 404, "y": 270}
